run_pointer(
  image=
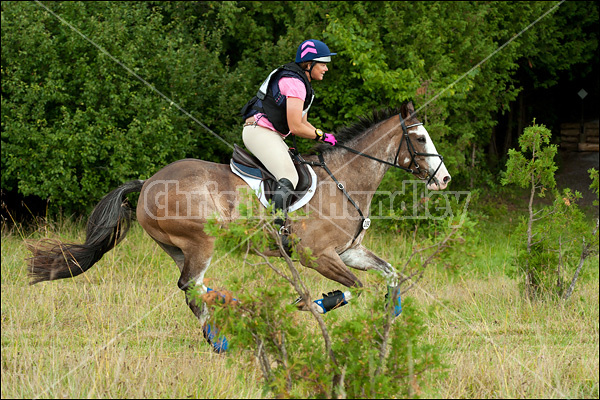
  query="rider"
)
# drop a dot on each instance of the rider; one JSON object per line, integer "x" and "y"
{"x": 279, "y": 109}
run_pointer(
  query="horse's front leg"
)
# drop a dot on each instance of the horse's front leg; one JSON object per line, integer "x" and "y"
{"x": 363, "y": 259}
{"x": 329, "y": 264}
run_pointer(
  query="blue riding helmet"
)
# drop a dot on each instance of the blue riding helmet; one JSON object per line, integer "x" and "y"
{"x": 313, "y": 50}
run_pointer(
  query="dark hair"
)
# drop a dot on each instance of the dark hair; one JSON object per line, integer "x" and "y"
{"x": 305, "y": 65}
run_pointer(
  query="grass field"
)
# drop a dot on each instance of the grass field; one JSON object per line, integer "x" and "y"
{"x": 123, "y": 330}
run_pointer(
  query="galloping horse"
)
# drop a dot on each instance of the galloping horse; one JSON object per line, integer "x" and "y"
{"x": 176, "y": 202}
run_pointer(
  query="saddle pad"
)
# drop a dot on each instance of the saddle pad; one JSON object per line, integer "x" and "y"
{"x": 247, "y": 171}
{"x": 253, "y": 177}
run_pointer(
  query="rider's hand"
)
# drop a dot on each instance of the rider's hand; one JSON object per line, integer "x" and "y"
{"x": 329, "y": 138}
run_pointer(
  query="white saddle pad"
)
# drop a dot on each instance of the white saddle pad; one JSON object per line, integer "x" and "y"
{"x": 258, "y": 187}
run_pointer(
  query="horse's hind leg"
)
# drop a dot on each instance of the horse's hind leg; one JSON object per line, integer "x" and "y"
{"x": 175, "y": 253}
{"x": 198, "y": 256}
{"x": 193, "y": 264}
{"x": 191, "y": 276}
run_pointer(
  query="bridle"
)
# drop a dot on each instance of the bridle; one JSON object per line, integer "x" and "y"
{"x": 411, "y": 151}
{"x": 414, "y": 154}
{"x": 366, "y": 222}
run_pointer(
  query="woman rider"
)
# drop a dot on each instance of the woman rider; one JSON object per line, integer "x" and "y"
{"x": 279, "y": 109}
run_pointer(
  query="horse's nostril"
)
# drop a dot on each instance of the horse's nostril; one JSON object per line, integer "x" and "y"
{"x": 447, "y": 179}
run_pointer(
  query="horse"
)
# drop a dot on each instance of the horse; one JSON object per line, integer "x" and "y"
{"x": 175, "y": 203}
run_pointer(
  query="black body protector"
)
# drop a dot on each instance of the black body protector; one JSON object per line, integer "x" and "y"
{"x": 270, "y": 101}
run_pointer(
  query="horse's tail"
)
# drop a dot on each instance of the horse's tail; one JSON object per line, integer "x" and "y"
{"x": 106, "y": 227}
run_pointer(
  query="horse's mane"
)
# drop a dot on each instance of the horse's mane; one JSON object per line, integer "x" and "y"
{"x": 346, "y": 134}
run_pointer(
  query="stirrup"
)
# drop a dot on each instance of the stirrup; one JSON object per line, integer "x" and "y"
{"x": 286, "y": 242}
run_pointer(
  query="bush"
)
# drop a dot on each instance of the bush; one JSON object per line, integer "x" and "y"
{"x": 371, "y": 354}
{"x": 558, "y": 238}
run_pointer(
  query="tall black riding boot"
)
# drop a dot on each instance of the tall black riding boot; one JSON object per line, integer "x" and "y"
{"x": 281, "y": 201}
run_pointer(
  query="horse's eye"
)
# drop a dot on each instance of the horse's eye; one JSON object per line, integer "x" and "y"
{"x": 421, "y": 139}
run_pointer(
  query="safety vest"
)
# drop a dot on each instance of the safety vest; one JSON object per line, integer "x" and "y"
{"x": 270, "y": 101}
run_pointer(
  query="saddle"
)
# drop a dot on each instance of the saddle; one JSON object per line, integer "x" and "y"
{"x": 246, "y": 165}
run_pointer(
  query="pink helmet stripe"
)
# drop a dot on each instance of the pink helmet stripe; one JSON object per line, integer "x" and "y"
{"x": 309, "y": 50}
{"x": 307, "y": 43}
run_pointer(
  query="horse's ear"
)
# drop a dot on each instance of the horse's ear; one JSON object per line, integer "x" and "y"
{"x": 407, "y": 109}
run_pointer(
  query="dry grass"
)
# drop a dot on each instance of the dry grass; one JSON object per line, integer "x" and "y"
{"x": 501, "y": 346}
{"x": 122, "y": 330}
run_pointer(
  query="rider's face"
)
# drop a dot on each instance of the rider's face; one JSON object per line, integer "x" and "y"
{"x": 318, "y": 71}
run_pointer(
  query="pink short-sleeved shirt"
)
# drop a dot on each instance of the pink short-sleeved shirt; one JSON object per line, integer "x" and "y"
{"x": 289, "y": 87}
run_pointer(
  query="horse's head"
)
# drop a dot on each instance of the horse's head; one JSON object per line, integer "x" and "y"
{"x": 417, "y": 152}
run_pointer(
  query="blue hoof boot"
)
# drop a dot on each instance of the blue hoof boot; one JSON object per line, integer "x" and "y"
{"x": 397, "y": 306}
{"x": 332, "y": 300}
{"x": 397, "y": 302}
{"x": 219, "y": 344}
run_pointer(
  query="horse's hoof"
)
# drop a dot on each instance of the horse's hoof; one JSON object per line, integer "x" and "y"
{"x": 219, "y": 344}
{"x": 300, "y": 304}
{"x": 332, "y": 300}
{"x": 397, "y": 302}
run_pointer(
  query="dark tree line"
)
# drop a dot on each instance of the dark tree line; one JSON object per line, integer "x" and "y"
{"x": 76, "y": 123}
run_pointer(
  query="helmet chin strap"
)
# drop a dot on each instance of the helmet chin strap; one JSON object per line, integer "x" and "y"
{"x": 312, "y": 65}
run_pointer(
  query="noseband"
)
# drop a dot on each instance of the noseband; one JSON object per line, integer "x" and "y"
{"x": 414, "y": 154}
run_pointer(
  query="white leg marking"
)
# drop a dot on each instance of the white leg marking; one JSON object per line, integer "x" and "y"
{"x": 363, "y": 259}
{"x": 200, "y": 278}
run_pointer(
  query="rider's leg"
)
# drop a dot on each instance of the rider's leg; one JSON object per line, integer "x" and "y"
{"x": 269, "y": 147}
{"x": 281, "y": 202}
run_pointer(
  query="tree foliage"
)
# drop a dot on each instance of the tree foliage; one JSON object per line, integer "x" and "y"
{"x": 557, "y": 239}
{"x": 77, "y": 121}
{"x": 372, "y": 354}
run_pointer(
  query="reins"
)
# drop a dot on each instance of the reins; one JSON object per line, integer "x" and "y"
{"x": 366, "y": 221}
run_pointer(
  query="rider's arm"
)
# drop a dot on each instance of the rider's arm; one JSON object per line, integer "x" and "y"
{"x": 305, "y": 121}
{"x": 299, "y": 126}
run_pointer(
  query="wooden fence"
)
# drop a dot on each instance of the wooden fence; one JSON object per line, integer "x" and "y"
{"x": 574, "y": 138}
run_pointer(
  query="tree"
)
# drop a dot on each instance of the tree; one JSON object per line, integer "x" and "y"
{"x": 373, "y": 354}
{"x": 558, "y": 238}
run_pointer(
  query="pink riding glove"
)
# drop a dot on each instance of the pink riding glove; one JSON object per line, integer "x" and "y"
{"x": 329, "y": 138}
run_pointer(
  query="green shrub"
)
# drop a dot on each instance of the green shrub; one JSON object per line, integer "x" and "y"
{"x": 367, "y": 355}
{"x": 557, "y": 238}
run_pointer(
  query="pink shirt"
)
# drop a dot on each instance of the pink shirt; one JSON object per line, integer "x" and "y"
{"x": 289, "y": 87}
